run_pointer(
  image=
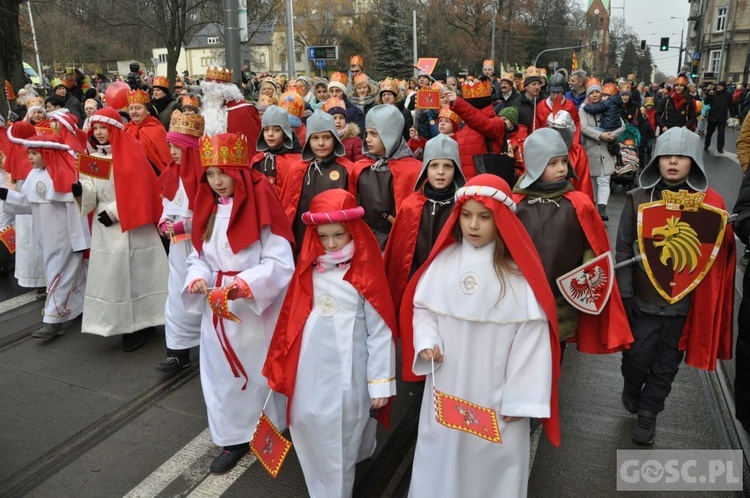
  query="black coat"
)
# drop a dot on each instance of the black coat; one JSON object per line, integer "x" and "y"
{"x": 526, "y": 110}
{"x": 668, "y": 115}
{"x": 742, "y": 352}
{"x": 722, "y": 106}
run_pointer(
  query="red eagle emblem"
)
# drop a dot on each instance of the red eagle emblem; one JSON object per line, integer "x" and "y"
{"x": 588, "y": 287}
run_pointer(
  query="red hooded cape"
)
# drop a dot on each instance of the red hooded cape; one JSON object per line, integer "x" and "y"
{"x": 189, "y": 170}
{"x": 707, "y": 335}
{"x": 366, "y": 274}
{"x": 284, "y": 163}
{"x": 524, "y": 254}
{"x": 138, "y": 201}
{"x": 609, "y": 331}
{"x": 152, "y": 136}
{"x": 58, "y": 161}
{"x": 17, "y": 158}
{"x": 255, "y": 206}
{"x": 404, "y": 171}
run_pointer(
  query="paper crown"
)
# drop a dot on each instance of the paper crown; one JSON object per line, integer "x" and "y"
{"x": 681, "y": 80}
{"x": 389, "y": 85}
{"x": 476, "y": 88}
{"x": 649, "y": 101}
{"x": 445, "y": 112}
{"x": 340, "y": 78}
{"x": 507, "y": 77}
{"x": 356, "y": 60}
{"x": 624, "y": 86}
{"x": 361, "y": 78}
{"x": 221, "y": 75}
{"x": 34, "y": 101}
{"x": 592, "y": 81}
{"x": 161, "y": 81}
{"x": 610, "y": 89}
{"x": 488, "y": 63}
{"x": 333, "y": 103}
{"x": 532, "y": 71}
{"x": 267, "y": 100}
{"x": 138, "y": 97}
{"x": 190, "y": 101}
{"x": 292, "y": 103}
{"x": 226, "y": 150}
{"x": 187, "y": 124}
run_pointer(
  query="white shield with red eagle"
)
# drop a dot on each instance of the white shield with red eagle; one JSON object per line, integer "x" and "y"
{"x": 587, "y": 288}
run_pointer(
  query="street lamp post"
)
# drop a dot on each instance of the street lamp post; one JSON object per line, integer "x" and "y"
{"x": 682, "y": 35}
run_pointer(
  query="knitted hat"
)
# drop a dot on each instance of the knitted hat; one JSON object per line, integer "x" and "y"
{"x": 532, "y": 75}
{"x": 338, "y": 80}
{"x": 592, "y": 88}
{"x": 510, "y": 113}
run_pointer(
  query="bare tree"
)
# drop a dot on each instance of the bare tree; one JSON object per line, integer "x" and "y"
{"x": 11, "y": 63}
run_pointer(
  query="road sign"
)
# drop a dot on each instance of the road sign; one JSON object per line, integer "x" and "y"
{"x": 553, "y": 65}
{"x": 320, "y": 63}
{"x": 329, "y": 52}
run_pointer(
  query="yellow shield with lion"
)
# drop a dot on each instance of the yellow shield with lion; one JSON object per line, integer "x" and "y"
{"x": 679, "y": 237}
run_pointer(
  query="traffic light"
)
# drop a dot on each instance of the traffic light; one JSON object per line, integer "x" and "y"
{"x": 579, "y": 46}
{"x": 664, "y": 45}
{"x": 643, "y": 44}
{"x": 694, "y": 70}
{"x": 593, "y": 45}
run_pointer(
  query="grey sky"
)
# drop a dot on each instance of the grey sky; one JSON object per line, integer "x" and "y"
{"x": 651, "y": 20}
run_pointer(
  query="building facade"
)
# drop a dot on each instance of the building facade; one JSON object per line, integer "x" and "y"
{"x": 719, "y": 40}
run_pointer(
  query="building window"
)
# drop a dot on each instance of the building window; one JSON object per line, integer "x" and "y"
{"x": 212, "y": 40}
{"x": 713, "y": 61}
{"x": 206, "y": 61}
{"x": 162, "y": 58}
{"x": 721, "y": 18}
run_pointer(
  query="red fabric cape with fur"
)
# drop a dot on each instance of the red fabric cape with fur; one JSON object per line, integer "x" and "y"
{"x": 366, "y": 274}
{"x": 609, "y": 331}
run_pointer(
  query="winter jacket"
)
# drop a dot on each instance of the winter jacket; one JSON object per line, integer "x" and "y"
{"x": 631, "y": 113}
{"x": 722, "y": 106}
{"x": 352, "y": 143}
{"x": 601, "y": 162}
{"x": 576, "y": 99}
{"x": 609, "y": 110}
{"x": 526, "y": 110}
{"x": 743, "y": 147}
{"x": 668, "y": 115}
{"x": 355, "y": 115}
{"x": 742, "y": 348}
{"x": 480, "y": 125}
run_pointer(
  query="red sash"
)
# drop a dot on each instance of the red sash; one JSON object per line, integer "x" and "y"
{"x": 234, "y": 361}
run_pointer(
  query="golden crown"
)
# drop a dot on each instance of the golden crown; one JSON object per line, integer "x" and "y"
{"x": 356, "y": 60}
{"x": 681, "y": 80}
{"x": 161, "y": 81}
{"x": 532, "y": 71}
{"x": 226, "y": 150}
{"x": 138, "y": 97}
{"x": 222, "y": 75}
{"x": 32, "y": 101}
{"x": 389, "y": 85}
{"x": 507, "y": 76}
{"x": 488, "y": 63}
{"x": 682, "y": 200}
{"x": 361, "y": 78}
{"x": 190, "y": 101}
{"x": 292, "y": 103}
{"x": 476, "y": 88}
{"x": 445, "y": 112}
{"x": 332, "y": 103}
{"x": 340, "y": 77}
{"x": 187, "y": 124}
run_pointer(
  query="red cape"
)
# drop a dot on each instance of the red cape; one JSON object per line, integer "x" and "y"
{"x": 366, "y": 274}
{"x": 292, "y": 190}
{"x": 707, "y": 335}
{"x": 522, "y": 250}
{"x": 243, "y": 117}
{"x": 153, "y": 139}
{"x": 404, "y": 171}
{"x": 609, "y": 331}
{"x": 17, "y": 158}
{"x": 189, "y": 170}
{"x": 284, "y": 163}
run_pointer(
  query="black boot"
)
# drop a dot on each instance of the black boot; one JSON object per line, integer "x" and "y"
{"x": 177, "y": 359}
{"x": 645, "y": 428}
{"x": 133, "y": 341}
{"x": 603, "y": 211}
{"x": 630, "y": 401}
{"x": 228, "y": 458}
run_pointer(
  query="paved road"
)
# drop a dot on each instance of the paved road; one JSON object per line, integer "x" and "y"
{"x": 78, "y": 417}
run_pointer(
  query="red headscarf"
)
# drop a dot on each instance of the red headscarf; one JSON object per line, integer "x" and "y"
{"x": 495, "y": 194}
{"x": 152, "y": 136}
{"x": 366, "y": 274}
{"x": 58, "y": 160}
{"x": 69, "y": 131}
{"x": 189, "y": 169}
{"x": 255, "y": 206}
{"x": 17, "y": 159}
{"x": 138, "y": 201}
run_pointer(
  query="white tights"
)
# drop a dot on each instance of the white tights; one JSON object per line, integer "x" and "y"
{"x": 601, "y": 189}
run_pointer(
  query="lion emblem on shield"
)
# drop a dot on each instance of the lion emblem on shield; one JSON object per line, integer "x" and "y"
{"x": 678, "y": 242}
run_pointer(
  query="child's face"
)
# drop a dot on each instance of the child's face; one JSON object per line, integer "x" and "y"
{"x": 556, "y": 170}
{"x": 176, "y": 153}
{"x": 274, "y": 136}
{"x": 340, "y": 121}
{"x": 440, "y": 173}
{"x": 220, "y": 182}
{"x": 445, "y": 126}
{"x": 321, "y": 144}
{"x": 333, "y": 236}
{"x": 101, "y": 133}
{"x": 477, "y": 223}
{"x": 36, "y": 158}
{"x": 674, "y": 169}
{"x": 374, "y": 142}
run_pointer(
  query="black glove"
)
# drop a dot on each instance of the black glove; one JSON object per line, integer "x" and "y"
{"x": 3, "y": 193}
{"x": 104, "y": 219}
{"x": 77, "y": 189}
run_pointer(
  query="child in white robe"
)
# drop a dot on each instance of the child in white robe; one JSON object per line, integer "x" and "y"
{"x": 485, "y": 315}
{"x": 62, "y": 233}
{"x": 242, "y": 250}
{"x": 333, "y": 352}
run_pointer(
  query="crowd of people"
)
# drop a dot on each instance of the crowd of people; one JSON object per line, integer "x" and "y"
{"x": 300, "y": 231}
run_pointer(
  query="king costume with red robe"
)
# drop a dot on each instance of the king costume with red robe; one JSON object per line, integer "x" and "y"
{"x": 502, "y": 354}
{"x": 333, "y": 348}
{"x": 243, "y": 117}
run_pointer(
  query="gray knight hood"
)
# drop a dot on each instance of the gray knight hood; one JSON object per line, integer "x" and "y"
{"x": 680, "y": 142}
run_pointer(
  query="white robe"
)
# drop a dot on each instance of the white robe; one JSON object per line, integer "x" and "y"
{"x": 497, "y": 355}
{"x": 267, "y": 266}
{"x": 29, "y": 261}
{"x": 182, "y": 330}
{"x": 128, "y": 272}
{"x": 61, "y": 235}
{"x": 347, "y": 357}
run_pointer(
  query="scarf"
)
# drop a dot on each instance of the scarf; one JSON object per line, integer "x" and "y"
{"x": 438, "y": 195}
{"x": 335, "y": 259}
{"x": 162, "y": 103}
{"x": 678, "y": 99}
